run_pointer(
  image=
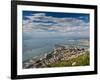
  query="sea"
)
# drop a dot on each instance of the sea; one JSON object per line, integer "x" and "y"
{"x": 39, "y": 46}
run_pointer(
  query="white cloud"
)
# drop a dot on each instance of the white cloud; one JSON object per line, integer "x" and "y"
{"x": 40, "y": 22}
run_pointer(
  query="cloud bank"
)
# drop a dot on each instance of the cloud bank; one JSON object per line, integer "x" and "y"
{"x": 42, "y": 25}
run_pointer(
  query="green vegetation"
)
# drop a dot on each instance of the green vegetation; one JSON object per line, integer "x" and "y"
{"x": 81, "y": 60}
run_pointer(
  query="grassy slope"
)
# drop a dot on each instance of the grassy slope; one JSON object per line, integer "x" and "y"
{"x": 81, "y": 60}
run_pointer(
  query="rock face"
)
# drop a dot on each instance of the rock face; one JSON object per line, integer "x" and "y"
{"x": 59, "y": 53}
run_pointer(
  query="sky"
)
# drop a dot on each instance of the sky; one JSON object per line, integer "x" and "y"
{"x": 55, "y": 24}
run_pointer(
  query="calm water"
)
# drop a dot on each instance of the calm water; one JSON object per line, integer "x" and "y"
{"x": 37, "y": 47}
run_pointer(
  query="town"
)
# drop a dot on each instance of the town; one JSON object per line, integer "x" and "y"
{"x": 60, "y": 53}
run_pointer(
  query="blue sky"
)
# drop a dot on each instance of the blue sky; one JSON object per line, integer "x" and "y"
{"x": 55, "y": 24}
{"x": 81, "y": 16}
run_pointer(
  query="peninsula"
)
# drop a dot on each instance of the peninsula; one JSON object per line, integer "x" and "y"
{"x": 60, "y": 57}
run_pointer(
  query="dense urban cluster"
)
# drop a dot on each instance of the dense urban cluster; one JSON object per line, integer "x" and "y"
{"x": 59, "y": 53}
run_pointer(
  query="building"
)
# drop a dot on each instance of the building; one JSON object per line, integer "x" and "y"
{"x": 59, "y": 47}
